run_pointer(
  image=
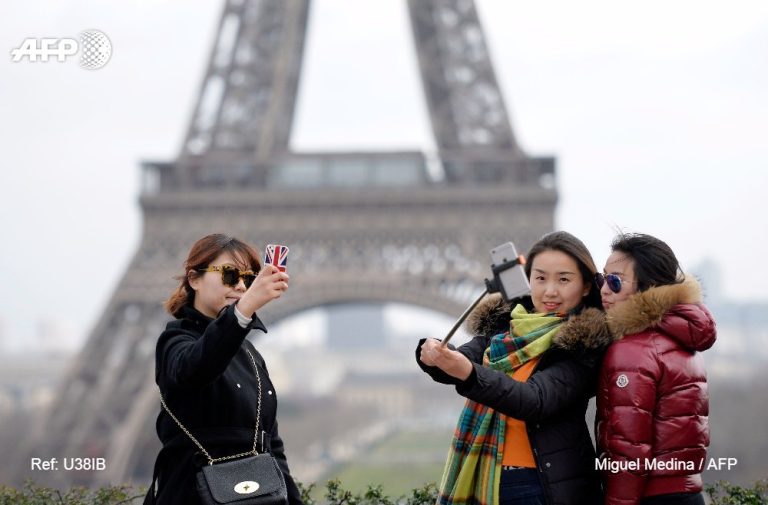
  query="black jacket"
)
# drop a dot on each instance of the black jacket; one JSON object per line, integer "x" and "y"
{"x": 208, "y": 381}
{"x": 553, "y": 402}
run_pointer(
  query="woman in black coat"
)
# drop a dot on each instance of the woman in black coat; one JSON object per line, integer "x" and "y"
{"x": 204, "y": 370}
{"x": 546, "y": 456}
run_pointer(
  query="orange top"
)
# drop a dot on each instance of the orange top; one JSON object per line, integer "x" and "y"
{"x": 517, "y": 447}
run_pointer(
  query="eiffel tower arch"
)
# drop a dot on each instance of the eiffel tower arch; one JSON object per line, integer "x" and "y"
{"x": 362, "y": 226}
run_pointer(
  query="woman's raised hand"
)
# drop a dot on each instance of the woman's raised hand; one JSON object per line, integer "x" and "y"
{"x": 269, "y": 285}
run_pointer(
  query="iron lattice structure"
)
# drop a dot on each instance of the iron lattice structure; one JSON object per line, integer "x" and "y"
{"x": 362, "y": 226}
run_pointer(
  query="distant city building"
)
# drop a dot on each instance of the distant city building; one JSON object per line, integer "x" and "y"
{"x": 28, "y": 381}
{"x": 742, "y": 332}
{"x": 742, "y": 328}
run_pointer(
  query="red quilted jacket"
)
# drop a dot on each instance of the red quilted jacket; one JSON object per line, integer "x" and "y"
{"x": 652, "y": 402}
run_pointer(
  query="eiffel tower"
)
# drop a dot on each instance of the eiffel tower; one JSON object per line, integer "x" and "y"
{"x": 362, "y": 226}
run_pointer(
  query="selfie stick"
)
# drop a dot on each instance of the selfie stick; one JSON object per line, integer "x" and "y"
{"x": 491, "y": 286}
{"x": 464, "y": 316}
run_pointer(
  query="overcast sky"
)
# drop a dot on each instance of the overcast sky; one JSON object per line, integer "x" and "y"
{"x": 656, "y": 111}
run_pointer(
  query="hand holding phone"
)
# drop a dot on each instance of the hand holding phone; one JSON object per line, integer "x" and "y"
{"x": 269, "y": 284}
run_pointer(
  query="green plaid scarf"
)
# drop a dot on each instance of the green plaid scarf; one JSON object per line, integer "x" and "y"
{"x": 472, "y": 472}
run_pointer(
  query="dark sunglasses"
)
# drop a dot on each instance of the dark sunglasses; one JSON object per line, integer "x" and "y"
{"x": 230, "y": 276}
{"x": 613, "y": 280}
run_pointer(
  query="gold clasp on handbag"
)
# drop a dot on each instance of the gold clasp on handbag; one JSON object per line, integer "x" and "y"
{"x": 246, "y": 487}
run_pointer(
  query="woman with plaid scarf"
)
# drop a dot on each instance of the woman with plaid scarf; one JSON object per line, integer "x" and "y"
{"x": 522, "y": 437}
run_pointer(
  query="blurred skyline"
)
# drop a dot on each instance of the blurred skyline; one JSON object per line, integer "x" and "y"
{"x": 657, "y": 116}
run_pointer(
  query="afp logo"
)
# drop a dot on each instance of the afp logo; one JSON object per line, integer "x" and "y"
{"x": 94, "y": 46}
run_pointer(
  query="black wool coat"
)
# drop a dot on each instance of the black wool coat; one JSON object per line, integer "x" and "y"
{"x": 553, "y": 402}
{"x": 208, "y": 381}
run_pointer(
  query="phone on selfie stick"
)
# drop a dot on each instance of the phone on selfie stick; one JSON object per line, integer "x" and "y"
{"x": 277, "y": 255}
{"x": 509, "y": 279}
{"x": 508, "y": 269}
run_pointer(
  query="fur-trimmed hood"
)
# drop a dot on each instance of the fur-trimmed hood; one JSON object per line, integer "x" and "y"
{"x": 675, "y": 310}
{"x": 488, "y": 316}
{"x": 584, "y": 333}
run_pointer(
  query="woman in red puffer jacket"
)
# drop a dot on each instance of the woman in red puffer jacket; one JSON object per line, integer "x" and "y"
{"x": 652, "y": 402}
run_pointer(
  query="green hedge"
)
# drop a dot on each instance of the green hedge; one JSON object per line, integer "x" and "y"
{"x": 725, "y": 493}
{"x": 721, "y": 493}
{"x": 32, "y": 494}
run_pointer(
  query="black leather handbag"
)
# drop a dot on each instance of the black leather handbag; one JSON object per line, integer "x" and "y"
{"x": 248, "y": 478}
{"x": 252, "y": 480}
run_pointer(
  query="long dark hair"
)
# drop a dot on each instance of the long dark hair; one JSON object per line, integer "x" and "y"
{"x": 565, "y": 242}
{"x": 200, "y": 256}
{"x": 655, "y": 262}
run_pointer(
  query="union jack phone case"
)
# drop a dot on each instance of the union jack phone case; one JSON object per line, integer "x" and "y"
{"x": 276, "y": 254}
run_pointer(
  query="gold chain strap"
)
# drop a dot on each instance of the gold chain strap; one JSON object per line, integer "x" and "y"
{"x": 255, "y": 433}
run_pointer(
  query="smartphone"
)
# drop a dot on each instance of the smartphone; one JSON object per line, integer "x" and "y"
{"x": 276, "y": 254}
{"x": 509, "y": 272}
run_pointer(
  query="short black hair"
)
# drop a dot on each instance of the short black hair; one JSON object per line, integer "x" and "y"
{"x": 655, "y": 262}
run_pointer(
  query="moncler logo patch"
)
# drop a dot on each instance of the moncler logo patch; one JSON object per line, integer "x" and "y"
{"x": 622, "y": 381}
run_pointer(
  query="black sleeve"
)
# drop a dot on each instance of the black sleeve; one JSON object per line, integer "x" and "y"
{"x": 186, "y": 359}
{"x": 278, "y": 451}
{"x": 473, "y": 350}
{"x": 547, "y": 392}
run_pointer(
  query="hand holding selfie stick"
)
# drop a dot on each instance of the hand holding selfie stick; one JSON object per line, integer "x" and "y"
{"x": 491, "y": 286}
